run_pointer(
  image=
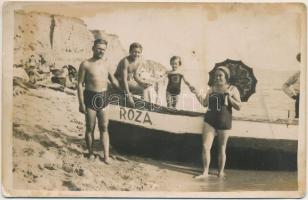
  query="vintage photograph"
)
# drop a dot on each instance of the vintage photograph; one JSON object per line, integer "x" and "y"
{"x": 166, "y": 99}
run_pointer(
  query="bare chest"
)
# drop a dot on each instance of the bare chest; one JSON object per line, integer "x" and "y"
{"x": 97, "y": 71}
{"x": 132, "y": 67}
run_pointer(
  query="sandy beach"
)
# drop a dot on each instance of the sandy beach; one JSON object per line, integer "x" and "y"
{"x": 49, "y": 147}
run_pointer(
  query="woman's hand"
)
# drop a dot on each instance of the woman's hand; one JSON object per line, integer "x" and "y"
{"x": 192, "y": 89}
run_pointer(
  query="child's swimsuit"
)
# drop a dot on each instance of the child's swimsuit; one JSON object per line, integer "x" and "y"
{"x": 174, "y": 83}
{"x": 95, "y": 100}
{"x": 218, "y": 115}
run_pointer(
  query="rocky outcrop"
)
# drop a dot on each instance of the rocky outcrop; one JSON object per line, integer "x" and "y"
{"x": 115, "y": 52}
{"x": 31, "y": 36}
{"x": 45, "y": 43}
{"x": 71, "y": 42}
{"x": 59, "y": 40}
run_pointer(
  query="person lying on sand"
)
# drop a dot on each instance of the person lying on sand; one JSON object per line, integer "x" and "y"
{"x": 93, "y": 75}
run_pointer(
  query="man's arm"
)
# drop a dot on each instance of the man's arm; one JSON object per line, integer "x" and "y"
{"x": 81, "y": 80}
{"x": 124, "y": 78}
{"x": 287, "y": 86}
{"x": 113, "y": 80}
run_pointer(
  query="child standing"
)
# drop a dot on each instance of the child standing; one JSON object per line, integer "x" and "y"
{"x": 174, "y": 82}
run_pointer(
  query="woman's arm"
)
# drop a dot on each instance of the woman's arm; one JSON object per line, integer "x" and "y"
{"x": 234, "y": 98}
{"x": 201, "y": 98}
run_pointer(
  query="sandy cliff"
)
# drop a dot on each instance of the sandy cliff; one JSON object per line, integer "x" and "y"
{"x": 60, "y": 40}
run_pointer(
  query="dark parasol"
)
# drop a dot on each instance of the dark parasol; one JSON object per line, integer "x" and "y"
{"x": 241, "y": 76}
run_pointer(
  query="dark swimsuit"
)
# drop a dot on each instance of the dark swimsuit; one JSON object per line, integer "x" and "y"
{"x": 218, "y": 115}
{"x": 174, "y": 84}
{"x": 95, "y": 100}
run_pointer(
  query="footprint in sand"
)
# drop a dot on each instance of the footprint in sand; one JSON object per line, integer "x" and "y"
{"x": 70, "y": 185}
{"x": 28, "y": 151}
{"x": 50, "y": 166}
{"x": 80, "y": 172}
{"x": 31, "y": 176}
{"x": 67, "y": 167}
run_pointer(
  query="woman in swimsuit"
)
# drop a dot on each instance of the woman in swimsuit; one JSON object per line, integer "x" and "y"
{"x": 219, "y": 100}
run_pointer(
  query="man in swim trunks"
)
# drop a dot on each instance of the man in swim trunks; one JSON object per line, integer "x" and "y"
{"x": 126, "y": 70}
{"x": 93, "y": 74}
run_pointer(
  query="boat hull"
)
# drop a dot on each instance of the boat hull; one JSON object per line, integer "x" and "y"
{"x": 252, "y": 145}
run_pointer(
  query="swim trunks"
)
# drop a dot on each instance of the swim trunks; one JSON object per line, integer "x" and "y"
{"x": 218, "y": 115}
{"x": 95, "y": 100}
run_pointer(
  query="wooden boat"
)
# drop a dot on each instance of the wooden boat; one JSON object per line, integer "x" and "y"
{"x": 175, "y": 135}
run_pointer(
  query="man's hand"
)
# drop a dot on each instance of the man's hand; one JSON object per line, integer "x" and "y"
{"x": 295, "y": 97}
{"x": 131, "y": 100}
{"x": 146, "y": 85}
{"x": 82, "y": 108}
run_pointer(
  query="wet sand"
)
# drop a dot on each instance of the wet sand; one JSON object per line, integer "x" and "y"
{"x": 48, "y": 148}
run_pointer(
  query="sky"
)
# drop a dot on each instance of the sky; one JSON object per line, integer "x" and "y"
{"x": 259, "y": 38}
{"x": 265, "y": 36}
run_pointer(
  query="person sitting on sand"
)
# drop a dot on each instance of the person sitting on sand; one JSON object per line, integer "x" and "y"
{"x": 219, "y": 100}
{"x": 126, "y": 70}
{"x": 93, "y": 74}
{"x": 174, "y": 82}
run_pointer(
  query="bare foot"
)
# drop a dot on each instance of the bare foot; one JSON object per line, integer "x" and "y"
{"x": 221, "y": 175}
{"x": 91, "y": 157}
{"x": 202, "y": 176}
{"x": 107, "y": 160}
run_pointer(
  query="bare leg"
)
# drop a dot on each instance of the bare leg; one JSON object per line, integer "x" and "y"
{"x": 297, "y": 106}
{"x": 207, "y": 138}
{"x": 146, "y": 95}
{"x": 172, "y": 100}
{"x": 103, "y": 120}
{"x": 223, "y": 136}
{"x": 175, "y": 100}
{"x": 169, "y": 99}
{"x": 90, "y": 126}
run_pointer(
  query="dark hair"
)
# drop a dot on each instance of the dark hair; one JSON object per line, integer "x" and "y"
{"x": 176, "y": 58}
{"x": 298, "y": 57}
{"x": 100, "y": 41}
{"x": 135, "y": 45}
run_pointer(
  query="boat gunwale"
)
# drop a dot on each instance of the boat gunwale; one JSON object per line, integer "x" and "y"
{"x": 168, "y": 111}
{"x": 152, "y": 107}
